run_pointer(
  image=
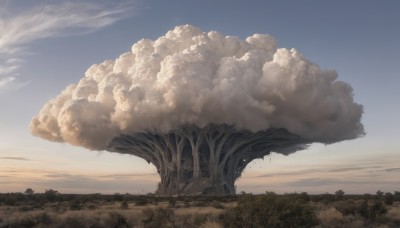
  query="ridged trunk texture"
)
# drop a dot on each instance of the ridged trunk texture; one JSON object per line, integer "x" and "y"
{"x": 193, "y": 160}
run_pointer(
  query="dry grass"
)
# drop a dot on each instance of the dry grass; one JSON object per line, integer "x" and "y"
{"x": 393, "y": 213}
{"x": 211, "y": 224}
{"x": 198, "y": 211}
{"x": 100, "y": 217}
{"x": 184, "y": 214}
{"x": 329, "y": 216}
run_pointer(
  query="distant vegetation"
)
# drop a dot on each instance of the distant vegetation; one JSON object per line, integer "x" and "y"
{"x": 53, "y": 209}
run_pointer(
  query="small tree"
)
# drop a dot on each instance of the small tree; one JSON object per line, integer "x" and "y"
{"x": 29, "y": 192}
{"x": 397, "y": 195}
{"x": 51, "y": 194}
{"x": 389, "y": 198}
{"x": 379, "y": 194}
{"x": 339, "y": 194}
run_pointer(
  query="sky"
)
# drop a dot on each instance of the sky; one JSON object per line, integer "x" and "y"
{"x": 47, "y": 45}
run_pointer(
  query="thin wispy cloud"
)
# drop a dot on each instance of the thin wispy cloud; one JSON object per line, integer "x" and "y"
{"x": 15, "y": 158}
{"x": 6, "y": 81}
{"x": 393, "y": 170}
{"x": 20, "y": 28}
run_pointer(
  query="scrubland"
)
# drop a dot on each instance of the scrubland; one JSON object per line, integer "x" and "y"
{"x": 52, "y": 209}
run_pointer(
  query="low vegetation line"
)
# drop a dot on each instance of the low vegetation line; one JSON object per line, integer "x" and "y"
{"x": 53, "y": 209}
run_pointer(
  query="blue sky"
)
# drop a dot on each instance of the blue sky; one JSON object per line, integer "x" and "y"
{"x": 47, "y": 45}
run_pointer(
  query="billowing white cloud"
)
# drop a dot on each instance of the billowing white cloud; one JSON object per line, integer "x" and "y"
{"x": 194, "y": 77}
{"x": 18, "y": 29}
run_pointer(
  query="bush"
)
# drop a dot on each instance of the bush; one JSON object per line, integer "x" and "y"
{"x": 397, "y": 195}
{"x": 339, "y": 194}
{"x": 347, "y": 207}
{"x": 117, "y": 220}
{"x": 328, "y": 198}
{"x": 32, "y": 220}
{"x": 29, "y": 192}
{"x": 44, "y": 219}
{"x": 301, "y": 196}
{"x": 10, "y": 201}
{"x": 379, "y": 194}
{"x": 76, "y": 205}
{"x": 270, "y": 210}
{"x": 389, "y": 198}
{"x": 200, "y": 204}
{"x": 124, "y": 205}
{"x": 159, "y": 217}
{"x": 371, "y": 211}
{"x": 92, "y": 207}
{"x": 171, "y": 202}
{"x": 140, "y": 202}
{"x": 73, "y": 221}
{"x": 51, "y": 195}
{"x": 217, "y": 205}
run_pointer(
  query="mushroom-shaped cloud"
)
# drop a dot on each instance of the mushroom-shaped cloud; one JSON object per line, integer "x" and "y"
{"x": 192, "y": 78}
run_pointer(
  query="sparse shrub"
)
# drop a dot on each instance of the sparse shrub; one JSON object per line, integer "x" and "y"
{"x": 198, "y": 220}
{"x": 92, "y": 206}
{"x": 330, "y": 217}
{"x": 389, "y": 198}
{"x": 10, "y": 200}
{"x": 379, "y": 194}
{"x": 347, "y": 207}
{"x": 118, "y": 197}
{"x": 339, "y": 194}
{"x": 159, "y": 217}
{"x": 371, "y": 211}
{"x": 60, "y": 207}
{"x": 186, "y": 204}
{"x": 73, "y": 221}
{"x": 124, "y": 204}
{"x": 51, "y": 194}
{"x": 171, "y": 202}
{"x": 217, "y": 205}
{"x": 270, "y": 210}
{"x": 75, "y": 205}
{"x": 211, "y": 224}
{"x": 29, "y": 192}
{"x": 26, "y": 222}
{"x": 302, "y": 196}
{"x": 39, "y": 204}
{"x": 397, "y": 195}
{"x": 117, "y": 220}
{"x": 367, "y": 196}
{"x": 141, "y": 201}
{"x": 25, "y": 208}
{"x": 200, "y": 204}
{"x": 42, "y": 220}
{"x": 328, "y": 198}
{"x": 194, "y": 220}
{"x": 377, "y": 210}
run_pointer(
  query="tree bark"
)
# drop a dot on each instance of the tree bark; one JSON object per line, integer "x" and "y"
{"x": 225, "y": 153}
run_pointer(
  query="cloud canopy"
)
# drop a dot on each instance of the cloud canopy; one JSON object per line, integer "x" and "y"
{"x": 189, "y": 76}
